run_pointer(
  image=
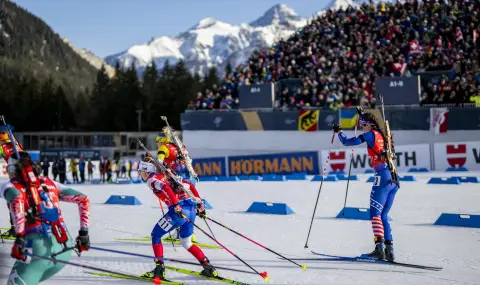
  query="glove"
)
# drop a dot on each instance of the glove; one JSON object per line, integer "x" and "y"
{"x": 178, "y": 210}
{"x": 83, "y": 240}
{"x": 201, "y": 210}
{"x": 18, "y": 249}
{"x": 336, "y": 128}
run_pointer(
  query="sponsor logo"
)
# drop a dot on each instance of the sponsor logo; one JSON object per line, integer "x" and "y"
{"x": 217, "y": 121}
{"x": 456, "y": 155}
{"x": 337, "y": 160}
{"x": 282, "y": 164}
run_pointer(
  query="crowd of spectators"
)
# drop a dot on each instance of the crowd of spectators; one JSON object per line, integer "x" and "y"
{"x": 219, "y": 97}
{"x": 339, "y": 55}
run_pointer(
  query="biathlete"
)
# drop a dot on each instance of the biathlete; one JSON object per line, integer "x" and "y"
{"x": 169, "y": 153}
{"x": 6, "y": 150}
{"x": 34, "y": 207}
{"x": 384, "y": 188}
{"x": 179, "y": 205}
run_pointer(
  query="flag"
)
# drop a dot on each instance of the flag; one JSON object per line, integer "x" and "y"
{"x": 308, "y": 120}
{"x": 400, "y": 67}
{"x": 348, "y": 118}
{"x": 475, "y": 35}
{"x": 415, "y": 47}
{"x": 439, "y": 120}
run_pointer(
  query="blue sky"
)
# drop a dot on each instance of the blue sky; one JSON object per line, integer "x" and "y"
{"x": 110, "y": 26}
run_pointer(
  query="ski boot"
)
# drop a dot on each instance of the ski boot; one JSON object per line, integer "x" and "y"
{"x": 156, "y": 274}
{"x": 379, "y": 251}
{"x": 208, "y": 269}
{"x": 389, "y": 253}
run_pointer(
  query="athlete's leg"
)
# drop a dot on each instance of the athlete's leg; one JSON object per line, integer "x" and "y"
{"x": 34, "y": 272}
{"x": 186, "y": 231}
{"x": 378, "y": 198}
{"x": 55, "y": 248}
{"x": 386, "y": 209}
{"x": 166, "y": 224}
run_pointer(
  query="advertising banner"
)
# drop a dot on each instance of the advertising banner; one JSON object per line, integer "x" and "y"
{"x": 214, "y": 166}
{"x": 282, "y": 163}
{"x": 408, "y": 156}
{"x": 456, "y": 155}
{"x": 51, "y": 155}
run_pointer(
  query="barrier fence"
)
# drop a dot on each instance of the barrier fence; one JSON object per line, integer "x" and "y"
{"x": 432, "y": 157}
{"x": 320, "y": 119}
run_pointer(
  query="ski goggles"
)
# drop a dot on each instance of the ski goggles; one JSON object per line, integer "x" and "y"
{"x": 362, "y": 121}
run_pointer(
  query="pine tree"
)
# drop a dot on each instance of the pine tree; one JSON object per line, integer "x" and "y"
{"x": 211, "y": 78}
{"x": 101, "y": 100}
{"x": 149, "y": 91}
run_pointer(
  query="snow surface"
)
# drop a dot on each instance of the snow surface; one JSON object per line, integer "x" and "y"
{"x": 417, "y": 206}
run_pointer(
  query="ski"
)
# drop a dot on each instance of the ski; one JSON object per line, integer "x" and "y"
{"x": 175, "y": 241}
{"x": 328, "y": 257}
{"x": 5, "y": 235}
{"x": 139, "y": 278}
{"x": 198, "y": 274}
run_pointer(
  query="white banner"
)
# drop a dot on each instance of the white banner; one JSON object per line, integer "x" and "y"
{"x": 408, "y": 156}
{"x": 458, "y": 154}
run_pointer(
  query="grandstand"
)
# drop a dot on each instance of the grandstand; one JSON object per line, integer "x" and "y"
{"x": 335, "y": 60}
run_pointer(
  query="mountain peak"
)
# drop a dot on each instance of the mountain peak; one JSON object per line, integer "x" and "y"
{"x": 340, "y": 4}
{"x": 205, "y": 23}
{"x": 279, "y": 14}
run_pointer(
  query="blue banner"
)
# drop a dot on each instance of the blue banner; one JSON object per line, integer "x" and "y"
{"x": 214, "y": 166}
{"x": 282, "y": 164}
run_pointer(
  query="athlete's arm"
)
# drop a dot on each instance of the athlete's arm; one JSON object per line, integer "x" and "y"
{"x": 15, "y": 203}
{"x": 162, "y": 152}
{"x": 192, "y": 188}
{"x": 367, "y": 137}
{"x": 68, "y": 194}
{"x": 159, "y": 185}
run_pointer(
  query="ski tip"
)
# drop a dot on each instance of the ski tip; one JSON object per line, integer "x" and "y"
{"x": 264, "y": 276}
{"x": 304, "y": 267}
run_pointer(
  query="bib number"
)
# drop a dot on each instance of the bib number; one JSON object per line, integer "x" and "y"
{"x": 165, "y": 224}
{"x": 376, "y": 180}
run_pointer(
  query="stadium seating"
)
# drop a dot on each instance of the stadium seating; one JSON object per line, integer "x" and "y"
{"x": 338, "y": 55}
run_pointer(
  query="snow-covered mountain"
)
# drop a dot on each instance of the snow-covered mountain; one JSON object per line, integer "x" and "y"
{"x": 213, "y": 43}
{"x": 94, "y": 60}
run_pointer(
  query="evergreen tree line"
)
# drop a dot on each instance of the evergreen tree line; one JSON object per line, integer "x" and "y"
{"x": 110, "y": 105}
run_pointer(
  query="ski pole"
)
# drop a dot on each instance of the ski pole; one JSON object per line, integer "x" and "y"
{"x": 78, "y": 265}
{"x": 304, "y": 266}
{"x": 164, "y": 259}
{"x": 264, "y": 275}
{"x": 319, "y": 191}
{"x": 349, "y": 172}
{"x": 208, "y": 226}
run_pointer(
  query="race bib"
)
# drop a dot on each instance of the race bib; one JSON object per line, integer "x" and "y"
{"x": 376, "y": 180}
{"x": 164, "y": 223}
